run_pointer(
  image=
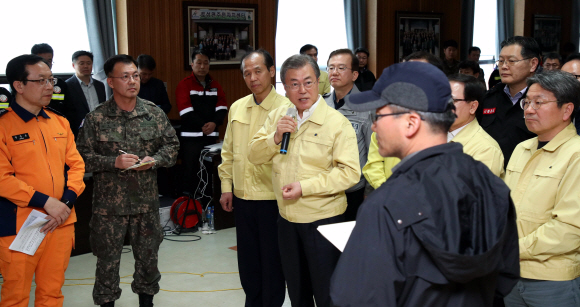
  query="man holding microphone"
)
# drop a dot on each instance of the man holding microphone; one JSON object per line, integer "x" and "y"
{"x": 309, "y": 180}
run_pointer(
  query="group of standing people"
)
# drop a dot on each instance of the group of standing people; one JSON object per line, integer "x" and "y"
{"x": 121, "y": 141}
{"x": 475, "y": 201}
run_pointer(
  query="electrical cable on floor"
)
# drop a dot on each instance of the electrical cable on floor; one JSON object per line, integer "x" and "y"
{"x": 166, "y": 290}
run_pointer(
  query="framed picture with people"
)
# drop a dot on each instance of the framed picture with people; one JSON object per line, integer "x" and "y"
{"x": 226, "y": 31}
{"x": 547, "y": 32}
{"x": 417, "y": 32}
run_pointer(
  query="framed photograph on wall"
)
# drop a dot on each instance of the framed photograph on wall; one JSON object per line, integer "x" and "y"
{"x": 547, "y": 32}
{"x": 417, "y": 32}
{"x": 226, "y": 31}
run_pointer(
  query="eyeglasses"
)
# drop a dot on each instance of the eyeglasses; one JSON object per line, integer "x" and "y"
{"x": 126, "y": 77}
{"x": 375, "y": 117}
{"x": 525, "y": 103}
{"x": 294, "y": 86}
{"x": 43, "y": 81}
{"x": 340, "y": 69}
{"x": 455, "y": 100}
{"x": 509, "y": 63}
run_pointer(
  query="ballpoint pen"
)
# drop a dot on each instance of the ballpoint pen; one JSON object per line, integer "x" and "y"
{"x": 124, "y": 152}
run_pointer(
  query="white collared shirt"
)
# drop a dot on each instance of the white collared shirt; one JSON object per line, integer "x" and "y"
{"x": 90, "y": 93}
{"x": 452, "y": 134}
{"x": 307, "y": 113}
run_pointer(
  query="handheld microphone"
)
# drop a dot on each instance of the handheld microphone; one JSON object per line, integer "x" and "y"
{"x": 286, "y": 136}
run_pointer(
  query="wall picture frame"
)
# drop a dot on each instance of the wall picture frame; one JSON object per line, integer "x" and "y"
{"x": 227, "y": 31}
{"x": 417, "y": 32}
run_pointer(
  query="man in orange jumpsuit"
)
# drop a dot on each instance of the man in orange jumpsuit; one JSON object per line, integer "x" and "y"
{"x": 35, "y": 145}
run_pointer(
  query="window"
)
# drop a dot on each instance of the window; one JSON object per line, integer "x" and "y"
{"x": 60, "y": 24}
{"x": 485, "y": 34}
{"x": 301, "y": 22}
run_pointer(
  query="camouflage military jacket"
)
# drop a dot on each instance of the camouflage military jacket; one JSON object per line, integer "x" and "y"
{"x": 145, "y": 131}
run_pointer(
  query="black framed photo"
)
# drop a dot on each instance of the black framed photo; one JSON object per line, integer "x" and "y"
{"x": 226, "y": 31}
{"x": 548, "y": 32}
{"x": 417, "y": 32}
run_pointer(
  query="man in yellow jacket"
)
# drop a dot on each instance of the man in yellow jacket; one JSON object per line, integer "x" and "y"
{"x": 466, "y": 92}
{"x": 248, "y": 187}
{"x": 309, "y": 181}
{"x": 544, "y": 175}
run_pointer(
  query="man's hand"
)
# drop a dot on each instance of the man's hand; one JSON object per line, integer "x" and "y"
{"x": 292, "y": 191}
{"x": 50, "y": 226}
{"x": 126, "y": 160}
{"x": 285, "y": 124}
{"x": 208, "y": 128}
{"x": 226, "y": 201}
{"x": 145, "y": 167}
{"x": 58, "y": 211}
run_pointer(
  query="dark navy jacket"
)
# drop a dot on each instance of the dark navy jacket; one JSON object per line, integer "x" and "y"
{"x": 441, "y": 231}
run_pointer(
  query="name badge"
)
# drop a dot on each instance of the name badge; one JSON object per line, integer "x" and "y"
{"x": 20, "y": 137}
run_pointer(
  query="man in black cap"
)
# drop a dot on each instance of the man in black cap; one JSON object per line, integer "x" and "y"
{"x": 434, "y": 234}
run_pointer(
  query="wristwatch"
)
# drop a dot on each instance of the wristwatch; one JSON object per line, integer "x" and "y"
{"x": 67, "y": 203}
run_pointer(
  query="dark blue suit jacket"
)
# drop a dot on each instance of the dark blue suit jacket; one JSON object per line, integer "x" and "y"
{"x": 77, "y": 106}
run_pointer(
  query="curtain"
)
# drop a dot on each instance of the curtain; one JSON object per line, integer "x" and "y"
{"x": 467, "y": 18}
{"x": 355, "y": 18}
{"x": 101, "y": 27}
{"x": 505, "y": 21}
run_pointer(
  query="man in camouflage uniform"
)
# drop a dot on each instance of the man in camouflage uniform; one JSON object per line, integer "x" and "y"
{"x": 118, "y": 134}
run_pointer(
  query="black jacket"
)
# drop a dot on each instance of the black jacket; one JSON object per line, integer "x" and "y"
{"x": 366, "y": 80}
{"x": 441, "y": 231}
{"x": 154, "y": 91}
{"x": 5, "y": 98}
{"x": 76, "y": 106}
{"x": 503, "y": 120}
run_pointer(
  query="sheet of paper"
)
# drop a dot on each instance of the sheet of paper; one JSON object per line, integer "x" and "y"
{"x": 338, "y": 233}
{"x": 29, "y": 237}
{"x": 138, "y": 165}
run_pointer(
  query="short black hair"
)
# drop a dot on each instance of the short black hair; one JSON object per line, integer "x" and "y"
{"x": 112, "y": 61}
{"x": 146, "y": 61}
{"x": 473, "y": 48}
{"x": 473, "y": 88}
{"x": 41, "y": 48}
{"x": 424, "y": 55}
{"x": 80, "y": 53}
{"x": 572, "y": 57}
{"x": 16, "y": 68}
{"x": 200, "y": 51}
{"x": 353, "y": 63}
{"x": 363, "y": 50}
{"x": 450, "y": 43}
{"x": 469, "y": 64}
{"x": 268, "y": 60}
{"x": 530, "y": 47}
{"x": 307, "y": 47}
{"x": 553, "y": 56}
{"x": 563, "y": 85}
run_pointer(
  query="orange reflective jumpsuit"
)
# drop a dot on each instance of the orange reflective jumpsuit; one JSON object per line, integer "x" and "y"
{"x": 33, "y": 154}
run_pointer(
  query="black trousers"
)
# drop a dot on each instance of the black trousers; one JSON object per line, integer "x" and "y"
{"x": 353, "y": 201}
{"x": 258, "y": 254}
{"x": 308, "y": 261}
{"x": 191, "y": 148}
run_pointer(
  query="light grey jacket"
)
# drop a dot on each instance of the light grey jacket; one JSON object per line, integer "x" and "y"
{"x": 361, "y": 122}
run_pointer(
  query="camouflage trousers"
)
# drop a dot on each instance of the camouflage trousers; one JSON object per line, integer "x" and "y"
{"x": 107, "y": 236}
